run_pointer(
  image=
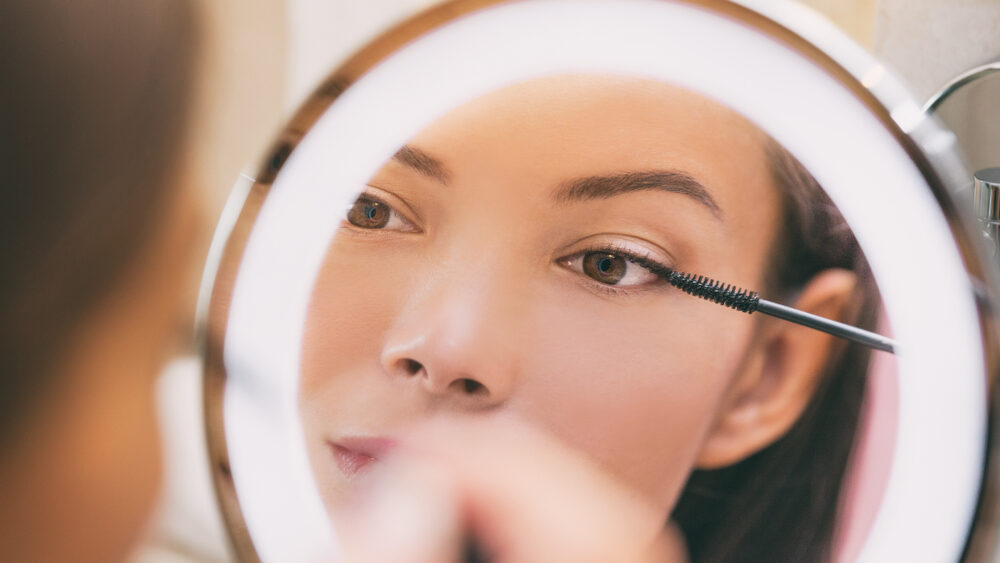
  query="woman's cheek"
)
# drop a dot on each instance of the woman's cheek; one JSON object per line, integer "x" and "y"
{"x": 350, "y": 309}
{"x": 628, "y": 383}
{"x": 353, "y": 304}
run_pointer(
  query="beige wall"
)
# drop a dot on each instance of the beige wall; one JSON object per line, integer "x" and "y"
{"x": 240, "y": 98}
{"x": 855, "y": 17}
{"x": 243, "y": 87}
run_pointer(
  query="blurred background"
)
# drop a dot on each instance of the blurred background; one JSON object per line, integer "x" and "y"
{"x": 262, "y": 57}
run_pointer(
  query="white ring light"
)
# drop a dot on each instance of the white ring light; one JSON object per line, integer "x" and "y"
{"x": 934, "y": 481}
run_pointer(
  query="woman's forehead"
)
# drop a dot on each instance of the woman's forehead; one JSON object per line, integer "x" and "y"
{"x": 588, "y": 103}
{"x": 603, "y": 120}
{"x": 550, "y": 131}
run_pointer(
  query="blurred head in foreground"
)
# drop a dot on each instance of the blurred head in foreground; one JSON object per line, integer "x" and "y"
{"x": 95, "y": 246}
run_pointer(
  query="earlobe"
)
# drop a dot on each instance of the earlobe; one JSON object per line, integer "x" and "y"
{"x": 780, "y": 375}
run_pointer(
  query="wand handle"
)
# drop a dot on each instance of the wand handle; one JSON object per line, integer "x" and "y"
{"x": 852, "y": 333}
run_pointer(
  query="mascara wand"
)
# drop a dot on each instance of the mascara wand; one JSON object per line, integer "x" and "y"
{"x": 750, "y": 301}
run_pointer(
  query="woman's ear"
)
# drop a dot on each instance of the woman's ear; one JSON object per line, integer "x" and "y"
{"x": 780, "y": 375}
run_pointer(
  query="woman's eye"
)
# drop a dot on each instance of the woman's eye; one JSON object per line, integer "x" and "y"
{"x": 610, "y": 268}
{"x": 369, "y": 213}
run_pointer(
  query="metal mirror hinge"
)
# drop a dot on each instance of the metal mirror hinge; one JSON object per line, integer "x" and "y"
{"x": 986, "y": 204}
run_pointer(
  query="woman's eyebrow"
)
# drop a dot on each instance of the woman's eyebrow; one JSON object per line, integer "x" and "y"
{"x": 418, "y": 160}
{"x": 604, "y": 187}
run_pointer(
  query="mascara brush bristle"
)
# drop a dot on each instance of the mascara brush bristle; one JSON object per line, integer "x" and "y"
{"x": 716, "y": 292}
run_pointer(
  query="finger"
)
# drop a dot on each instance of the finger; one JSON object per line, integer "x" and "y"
{"x": 405, "y": 511}
{"x": 531, "y": 498}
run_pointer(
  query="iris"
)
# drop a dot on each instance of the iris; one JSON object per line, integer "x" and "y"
{"x": 605, "y": 267}
{"x": 369, "y": 214}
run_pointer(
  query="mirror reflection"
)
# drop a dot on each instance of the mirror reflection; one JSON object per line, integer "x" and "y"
{"x": 504, "y": 263}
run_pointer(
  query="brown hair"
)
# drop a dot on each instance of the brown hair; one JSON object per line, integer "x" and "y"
{"x": 780, "y": 504}
{"x": 92, "y": 110}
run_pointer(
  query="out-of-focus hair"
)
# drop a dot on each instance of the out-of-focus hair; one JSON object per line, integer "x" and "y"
{"x": 93, "y": 104}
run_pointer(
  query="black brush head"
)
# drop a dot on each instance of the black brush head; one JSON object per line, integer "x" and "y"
{"x": 714, "y": 291}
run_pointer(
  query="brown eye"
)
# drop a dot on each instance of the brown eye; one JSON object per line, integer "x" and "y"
{"x": 369, "y": 214}
{"x": 604, "y": 267}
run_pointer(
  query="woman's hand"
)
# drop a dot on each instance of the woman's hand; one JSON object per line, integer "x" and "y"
{"x": 523, "y": 496}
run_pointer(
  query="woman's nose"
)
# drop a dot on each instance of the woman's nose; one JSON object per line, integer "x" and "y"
{"x": 455, "y": 339}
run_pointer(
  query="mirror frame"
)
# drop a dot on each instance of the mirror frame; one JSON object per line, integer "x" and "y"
{"x": 918, "y": 135}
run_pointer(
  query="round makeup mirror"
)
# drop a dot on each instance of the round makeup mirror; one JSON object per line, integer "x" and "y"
{"x": 478, "y": 212}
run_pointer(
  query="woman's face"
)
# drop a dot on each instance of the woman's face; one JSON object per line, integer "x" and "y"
{"x": 497, "y": 265}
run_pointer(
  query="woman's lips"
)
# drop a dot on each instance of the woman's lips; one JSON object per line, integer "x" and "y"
{"x": 354, "y": 455}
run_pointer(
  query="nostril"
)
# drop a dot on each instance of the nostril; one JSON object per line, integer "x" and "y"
{"x": 412, "y": 367}
{"x": 472, "y": 387}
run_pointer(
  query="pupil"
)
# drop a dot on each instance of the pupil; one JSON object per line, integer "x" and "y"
{"x": 371, "y": 212}
{"x": 604, "y": 265}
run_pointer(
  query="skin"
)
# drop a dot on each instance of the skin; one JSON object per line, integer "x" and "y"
{"x": 81, "y": 480}
{"x": 479, "y": 279}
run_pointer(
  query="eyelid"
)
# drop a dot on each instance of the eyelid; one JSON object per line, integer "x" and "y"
{"x": 629, "y": 246}
{"x": 384, "y": 195}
